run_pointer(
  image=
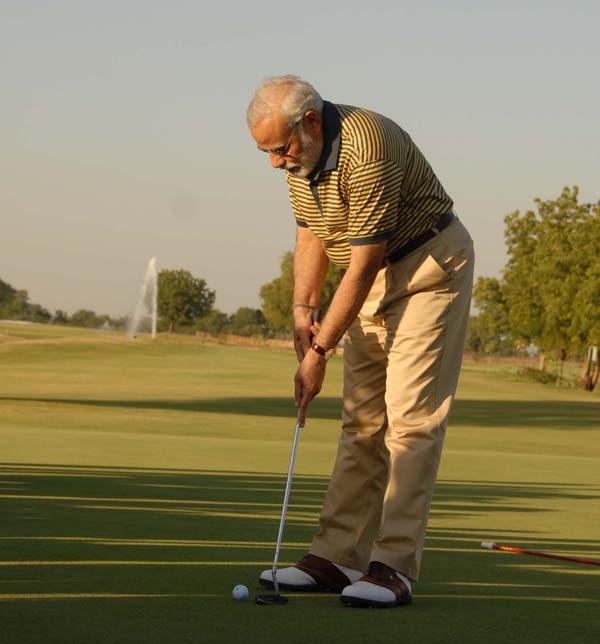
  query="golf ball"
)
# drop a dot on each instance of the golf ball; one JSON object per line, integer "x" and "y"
{"x": 240, "y": 592}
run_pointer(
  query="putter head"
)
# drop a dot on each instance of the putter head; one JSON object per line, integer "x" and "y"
{"x": 270, "y": 600}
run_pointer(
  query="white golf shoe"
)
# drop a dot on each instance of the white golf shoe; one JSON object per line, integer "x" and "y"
{"x": 314, "y": 574}
{"x": 380, "y": 587}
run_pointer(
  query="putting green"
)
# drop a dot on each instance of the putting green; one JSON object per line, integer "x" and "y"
{"x": 140, "y": 481}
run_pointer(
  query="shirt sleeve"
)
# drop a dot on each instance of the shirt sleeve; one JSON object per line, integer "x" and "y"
{"x": 296, "y": 211}
{"x": 373, "y": 199}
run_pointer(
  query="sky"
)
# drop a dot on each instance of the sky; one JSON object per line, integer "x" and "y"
{"x": 123, "y": 134}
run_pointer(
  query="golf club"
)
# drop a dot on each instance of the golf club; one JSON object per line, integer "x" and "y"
{"x": 492, "y": 545}
{"x": 278, "y": 598}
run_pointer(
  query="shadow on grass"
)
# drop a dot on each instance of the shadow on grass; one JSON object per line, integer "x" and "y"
{"x": 476, "y": 413}
{"x": 100, "y": 507}
{"x": 92, "y": 541}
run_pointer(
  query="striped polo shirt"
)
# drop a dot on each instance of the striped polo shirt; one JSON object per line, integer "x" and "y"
{"x": 372, "y": 183}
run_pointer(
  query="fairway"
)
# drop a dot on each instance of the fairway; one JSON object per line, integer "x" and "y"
{"x": 141, "y": 480}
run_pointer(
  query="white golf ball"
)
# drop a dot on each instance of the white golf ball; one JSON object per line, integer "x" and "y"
{"x": 240, "y": 592}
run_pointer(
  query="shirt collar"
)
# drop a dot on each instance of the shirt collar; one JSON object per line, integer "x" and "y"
{"x": 331, "y": 142}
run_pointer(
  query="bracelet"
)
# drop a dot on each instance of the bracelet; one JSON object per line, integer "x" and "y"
{"x": 304, "y": 306}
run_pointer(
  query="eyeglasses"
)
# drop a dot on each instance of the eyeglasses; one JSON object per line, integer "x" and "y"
{"x": 282, "y": 150}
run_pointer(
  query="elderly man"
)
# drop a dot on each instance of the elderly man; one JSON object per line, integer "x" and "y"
{"x": 364, "y": 197}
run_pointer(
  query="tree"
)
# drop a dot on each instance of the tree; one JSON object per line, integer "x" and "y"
{"x": 182, "y": 298}
{"x": 489, "y": 332}
{"x": 15, "y": 305}
{"x": 214, "y": 321}
{"x": 552, "y": 279}
{"x": 60, "y": 317}
{"x": 585, "y": 300}
{"x": 7, "y": 294}
{"x": 86, "y": 318}
{"x": 276, "y": 296}
{"x": 247, "y": 322}
{"x": 37, "y": 313}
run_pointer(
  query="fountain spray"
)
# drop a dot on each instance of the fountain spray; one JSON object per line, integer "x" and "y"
{"x": 147, "y": 302}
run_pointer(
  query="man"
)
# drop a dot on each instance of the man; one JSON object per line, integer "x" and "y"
{"x": 365, "y": 198}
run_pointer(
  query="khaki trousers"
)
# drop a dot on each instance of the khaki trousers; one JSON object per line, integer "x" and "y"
{"x": 402, "y": 358}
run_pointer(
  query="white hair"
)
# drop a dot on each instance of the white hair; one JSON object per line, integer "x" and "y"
{"x": 288, "y": 95}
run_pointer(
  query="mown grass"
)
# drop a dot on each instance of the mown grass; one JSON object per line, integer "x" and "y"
{"x": 140, "y": 481}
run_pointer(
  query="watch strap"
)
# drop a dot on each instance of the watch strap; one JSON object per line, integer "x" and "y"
{"x": 322, "y": 351}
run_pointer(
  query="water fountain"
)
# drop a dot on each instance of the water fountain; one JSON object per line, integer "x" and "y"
{"x": 147, "y": 302}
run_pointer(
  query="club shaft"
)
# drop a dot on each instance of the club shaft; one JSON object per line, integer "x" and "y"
{"x": 286, "y": 498}
{"x": 549, "y": 555}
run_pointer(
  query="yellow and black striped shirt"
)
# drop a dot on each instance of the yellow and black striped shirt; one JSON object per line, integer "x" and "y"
{"x": 371, "y": 183}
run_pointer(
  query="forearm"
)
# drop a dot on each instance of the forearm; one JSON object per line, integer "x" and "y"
{"x": 351, "y": 293}
{"x": 349, "y": 297}
{"x": 310, "y": 268}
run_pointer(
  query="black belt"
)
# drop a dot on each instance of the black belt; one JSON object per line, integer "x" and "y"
{"x": 413, "y": 244}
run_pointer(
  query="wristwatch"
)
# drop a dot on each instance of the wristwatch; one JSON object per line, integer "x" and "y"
{"x": 322, "y": 351}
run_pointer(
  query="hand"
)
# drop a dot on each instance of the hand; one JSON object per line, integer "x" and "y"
{"x": 304, "y": 332}
{"x": 308, "y": 382}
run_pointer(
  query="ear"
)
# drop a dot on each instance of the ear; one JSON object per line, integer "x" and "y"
{"x": 312, "y": 121}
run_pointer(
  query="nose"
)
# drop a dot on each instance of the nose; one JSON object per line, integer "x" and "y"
{"x": 277, "y": 161}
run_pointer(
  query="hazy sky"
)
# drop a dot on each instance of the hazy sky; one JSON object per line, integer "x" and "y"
{"x": 122, "y": 127}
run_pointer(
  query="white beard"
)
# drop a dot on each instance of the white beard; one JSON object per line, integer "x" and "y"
{"x": 311, "y": 153}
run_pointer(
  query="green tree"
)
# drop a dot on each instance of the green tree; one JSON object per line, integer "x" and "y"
{"x": 474, "y": 342}
{"x": 182, "y": 298}
{"x": 489, "y": 332}
{"x": 276, "y": 296}
{"x": 552, "y": 271}
{"x": 585, "y": 299}
{"x": 7, "y": 294}
{"x": 15, "y": 307}
{"x": 214, "y": 321}
{"x": 86, "y": 318}
{"x": 37, "y": 313}
{"x": 247, "y": 322}
{"x": 60, "y": 317}
{"x": 332, "y": 281}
